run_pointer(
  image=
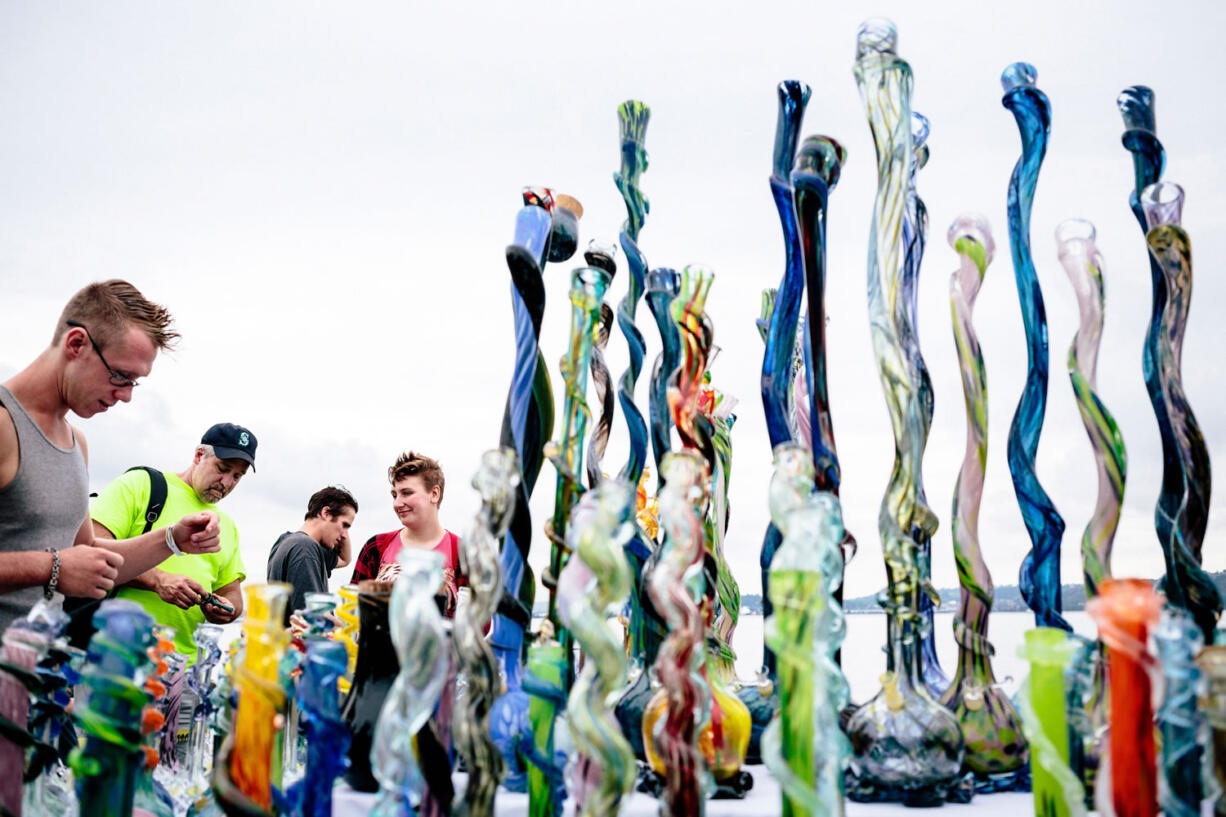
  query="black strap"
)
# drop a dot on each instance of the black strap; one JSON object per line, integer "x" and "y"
{"x": 157, "y": 494}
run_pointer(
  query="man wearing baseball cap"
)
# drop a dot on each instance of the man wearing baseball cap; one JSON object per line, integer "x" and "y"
{"x": 183, "y": 591}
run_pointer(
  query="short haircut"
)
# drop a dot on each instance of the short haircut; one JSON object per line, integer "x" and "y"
{"x": 108, "y": 308}
{"x": 335, "y": 499}
{"x": 414, "y": 464}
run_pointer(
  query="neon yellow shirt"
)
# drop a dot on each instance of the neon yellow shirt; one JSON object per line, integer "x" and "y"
{"x": 120, "y": 507}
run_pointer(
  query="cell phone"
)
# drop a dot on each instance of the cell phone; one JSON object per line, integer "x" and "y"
{"x": 218, "y": 602}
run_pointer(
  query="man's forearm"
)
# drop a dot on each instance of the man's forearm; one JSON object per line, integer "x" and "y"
{"x": 143, "y": 581}
{"x": 25, "y": 568}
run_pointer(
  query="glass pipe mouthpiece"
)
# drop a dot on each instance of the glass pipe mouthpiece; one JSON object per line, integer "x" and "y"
{"x": 876, "y": 35}
{"x": 1018, "y": 75}
{"x": 1163, "y": 204}
{"x": 974, "y": 226}
{"x": 823, "y": 157}
{"x": 1136, "y": 104}
{"x": 1074, "y": 230}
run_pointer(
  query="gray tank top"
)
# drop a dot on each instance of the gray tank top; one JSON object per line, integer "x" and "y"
{"x": 45, "y": 504}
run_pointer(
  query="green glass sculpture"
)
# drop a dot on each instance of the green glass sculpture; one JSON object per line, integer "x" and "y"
{"x": 1057, "y": 789}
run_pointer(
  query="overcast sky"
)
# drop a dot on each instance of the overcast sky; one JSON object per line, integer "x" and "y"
{"x": 322, "y": 193}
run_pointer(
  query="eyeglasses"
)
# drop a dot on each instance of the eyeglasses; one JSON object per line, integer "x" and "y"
{"x": 119, "y": 379}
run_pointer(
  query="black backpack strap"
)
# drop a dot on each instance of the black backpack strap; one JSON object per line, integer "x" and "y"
{"x": 157, "y": 494}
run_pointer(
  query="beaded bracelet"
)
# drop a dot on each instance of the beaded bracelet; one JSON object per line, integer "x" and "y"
{"x": 52, "y": 583}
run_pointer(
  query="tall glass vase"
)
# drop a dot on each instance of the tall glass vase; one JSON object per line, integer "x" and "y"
{"x": 1057, "y": 788}
{"x": 243, "y": 774}
{"x": 1183, "y": 726}
{"x": 1040, "y": 576}
{"x": 109, "y": 710}
{"x": 906, "y": 746}
{"x": 995, "y": 746}
{"x": 1126, "y": 610}
{"x": 1186, "y": 583}
{"x": 372, "y": 680}
{"x": 496, "y": 481}
{"x": 804, "y": 747}
{"x": 416, "y": 630}
{"x": 594, "y": 584}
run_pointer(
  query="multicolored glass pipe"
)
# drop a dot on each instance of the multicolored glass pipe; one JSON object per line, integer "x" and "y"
{"x": 595, "y": 584}
{"x": 1186, "y": 584}
{"x": 327, "y": 736}
{"x": 1212, "y": 703}
{"x": 242, "y": 776}
{"x": 26, "y": 643}
{"x": 1126, "y": 610}
{"x": 995, "y": 744}
{"x": 496, "y": 481}
{"x": 632, "y": 117}
{"x": 670, "y": 581}
{"x": 416, "y": 628}
{"x": 1040, "y": 576}
{"x": 1041, "y": 700}
{"x": 1183, "y": 726}
{"x": 109, "y": 709}
{"x": 527, "y": 425}
{"x": 602, "y": 381}
{"x": 803, "y": 747}
{"x": 907, "y": 747}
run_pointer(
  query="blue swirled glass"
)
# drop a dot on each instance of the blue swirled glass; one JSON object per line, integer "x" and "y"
{"x": 1039, "y": 581}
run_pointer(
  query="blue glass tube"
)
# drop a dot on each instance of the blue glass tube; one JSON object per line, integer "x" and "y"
{"x": 633, "y": 117}
{"x": 663, "y": 284}
{"x": 1039, "y": 581}
{"x": 1177, "y": 640}
{"x": 527, "y": 423}
{"x": 327, "y": 734}
{"x": 781, "y": 332}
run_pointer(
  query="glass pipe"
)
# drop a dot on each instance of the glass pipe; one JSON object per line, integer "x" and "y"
{"x": 1183, "y": 727}
{"x": 1186, "y": 583}
{"x": 51, "y": 790}
{"x": 663, "y": 285}
{"x": 33, "y": 698}
{"x": 347, "y": 632}
{"x": 920, "y": 407}
{"x": 805, "y": 629}
{"x": 593, "y": 586}
{"x": 496, "y": 482}
{"x": 601, "y": 256}
{"x": 109, "y": 708}
{"x": 198, "y": 760}
{"x": 22, "y": 650}
{"x": 1126, "y": 610}
{"x": 152, "y": 797}
{"x": 372, "y": 680}
{"x": 716, "y": 409}
{"x": 995, "y": 744}
{"x": 242, "y": 776}
{"x": 1057, "y": 789}
{"x": 544, "y": 746}
{"x": 327, "y": 736}
{"x": 1040, "y": 576}
{"x": 416, "y": 630}
{"x": 906, "y": 746}
{"x": 1211, "y": 702}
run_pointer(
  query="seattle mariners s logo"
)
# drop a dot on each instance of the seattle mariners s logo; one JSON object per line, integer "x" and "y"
{"x": 244, "y": 439}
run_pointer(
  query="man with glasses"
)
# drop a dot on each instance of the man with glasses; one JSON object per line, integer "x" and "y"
{"x": 183, "y": 591}
{"x": 44, "y": 486}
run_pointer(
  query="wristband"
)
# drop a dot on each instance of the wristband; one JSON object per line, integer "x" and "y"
{"x": 52, "y": 583}
{"x": 170, "y": 541}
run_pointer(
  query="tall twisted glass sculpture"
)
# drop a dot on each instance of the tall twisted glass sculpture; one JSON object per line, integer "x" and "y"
{"x": 1184, "y": 729}
{"x": 109, "y": 708}
{"x": 1082, "y": 261}
{"x": 198, "y": 762}
{"x": 1186, "y": 583}
{"x": 1057, "y": 788}
{"x": 327, "y": 736}
{"x": 1125, "y": 611}
{"x": 602, "y": 381}
{"x": 1211, "y": 702}
{"x": 784, "y": 317}
{"x": 920, "y": 409}
{"x": 526, "y": 426}
{"x": 632, "y": 117}
{"x": 242, "y": 776}
{"x": 672, "y": 581}
{"x": 421, "y": 647}
{"x": 347, "y": 632}
{"x": 1040, "y": 575}
{"x": 995, "y": 744}
{"x": 51, "y": 790}
{"x": 496, "y": 481}
{"x": 595, "y": 584}
{"x": 804, "y": 747}
{"x": 663, "y": 284}
{"x": 906, "y": 746}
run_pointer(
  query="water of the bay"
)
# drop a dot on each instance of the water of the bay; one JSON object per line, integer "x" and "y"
{"x": 864, "y": 656}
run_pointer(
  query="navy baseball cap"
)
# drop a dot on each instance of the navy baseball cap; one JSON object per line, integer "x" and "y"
{"x": 231, "y": 442}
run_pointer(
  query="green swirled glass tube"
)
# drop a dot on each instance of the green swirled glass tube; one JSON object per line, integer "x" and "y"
{"x": 1186, "y": 582}
{"x": 594, "y": 585}
{"x": 496, "y": 481}
{"x": 1057, "y": 789}
{"x": 995, "y": 744}
{"x": 907, "y": 746}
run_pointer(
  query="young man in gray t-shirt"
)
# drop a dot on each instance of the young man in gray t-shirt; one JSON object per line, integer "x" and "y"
{"x": 305, "y": 558}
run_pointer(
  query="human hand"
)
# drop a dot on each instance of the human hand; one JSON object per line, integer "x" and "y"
{"x": 178, "y": 590}
{"x": 88, "y": 572}
{"x": 217, "y": 610}
{"x": 198, "y": 533}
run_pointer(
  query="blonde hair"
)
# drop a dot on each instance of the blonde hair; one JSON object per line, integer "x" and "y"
{"x": 108, "y": 308}
{"x": 414, "y": 464}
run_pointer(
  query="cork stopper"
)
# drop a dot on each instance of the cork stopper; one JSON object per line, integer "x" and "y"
{"x": 570, "y": 203}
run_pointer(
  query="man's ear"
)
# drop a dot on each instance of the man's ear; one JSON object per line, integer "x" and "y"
{"x": 325, "y": 514}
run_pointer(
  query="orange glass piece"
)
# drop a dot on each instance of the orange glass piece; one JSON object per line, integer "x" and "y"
{"x": 724, "y": 738}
